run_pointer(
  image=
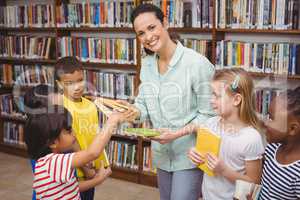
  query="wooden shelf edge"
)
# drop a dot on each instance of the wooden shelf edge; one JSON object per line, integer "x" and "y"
{"x": 232, "y": 30}
{"x": 126, "y": 137}
{"x": 13, "y": 119}
{"x": 25, "y": 61}
{"x": 97, "y": 29}
{"x": 13, "y": 149}
{"x": 190, "y": 30}
{"x": 98, "y": 66}
{"x": 29, "y": 29}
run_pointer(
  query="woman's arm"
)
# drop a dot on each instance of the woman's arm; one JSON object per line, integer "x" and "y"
{"x": 167, "y": 135}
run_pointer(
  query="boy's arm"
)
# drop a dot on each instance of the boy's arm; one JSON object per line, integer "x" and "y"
{"x": 98, "y": 179}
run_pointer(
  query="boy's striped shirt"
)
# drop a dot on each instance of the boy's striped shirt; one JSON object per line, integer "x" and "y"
{"x": 279, "y": 182}
{"x": 54, "y": 178}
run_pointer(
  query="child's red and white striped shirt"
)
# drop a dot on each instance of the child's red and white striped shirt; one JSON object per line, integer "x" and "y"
{"x": 54, "y": 178}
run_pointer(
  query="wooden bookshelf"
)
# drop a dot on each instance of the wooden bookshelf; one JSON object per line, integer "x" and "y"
{"x": 98, "y": 29}
{"x": 257, "y": 31}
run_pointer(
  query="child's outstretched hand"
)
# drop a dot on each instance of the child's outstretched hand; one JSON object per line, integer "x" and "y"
{"x": 196, "y": 157}
{"x": 136, "y": 112}
{"x": 166, "y": 136}
{"x": 215, "y": 164}
{"x": 120, "y": 117}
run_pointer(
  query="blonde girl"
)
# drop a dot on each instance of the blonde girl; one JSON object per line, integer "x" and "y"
{"x": 237, "y": 124}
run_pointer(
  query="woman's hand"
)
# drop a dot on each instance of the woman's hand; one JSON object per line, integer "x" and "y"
{"x": 165, "y": 137}
{"x": 215, "y": 164}
{"x": 196, "y": 157}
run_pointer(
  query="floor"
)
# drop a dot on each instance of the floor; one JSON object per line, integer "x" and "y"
{"x": 16, "y": 183}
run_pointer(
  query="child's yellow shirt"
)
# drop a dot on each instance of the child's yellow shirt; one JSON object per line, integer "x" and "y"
{"x": 85, "y": 124}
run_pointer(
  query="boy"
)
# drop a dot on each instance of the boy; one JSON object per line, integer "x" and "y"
{"x": 69, "y": 79}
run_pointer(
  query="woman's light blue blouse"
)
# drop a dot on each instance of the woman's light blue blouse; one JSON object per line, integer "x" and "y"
{"x": 174, "y": 99}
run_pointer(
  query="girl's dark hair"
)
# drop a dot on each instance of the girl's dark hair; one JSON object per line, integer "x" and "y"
{"x": 293, "y": 101}
{"x": 41, "y": 130}
{"x": 36, "y": 99}
{"x": 146, "y": 8}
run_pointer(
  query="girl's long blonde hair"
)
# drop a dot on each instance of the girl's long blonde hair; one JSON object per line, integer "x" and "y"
{"x": 245, "y": 87}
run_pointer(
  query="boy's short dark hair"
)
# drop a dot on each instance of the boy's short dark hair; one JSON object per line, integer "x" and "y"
{"x": 42, "y": 129}
{"x": 66, "y": 65}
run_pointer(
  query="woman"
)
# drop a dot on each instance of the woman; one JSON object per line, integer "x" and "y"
{"x": 174, "y": 92}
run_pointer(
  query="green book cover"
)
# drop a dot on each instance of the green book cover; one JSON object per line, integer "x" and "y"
{"x": 145, "y": 132}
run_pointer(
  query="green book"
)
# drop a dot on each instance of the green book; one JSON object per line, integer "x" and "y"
{"x": 145, "y": 132}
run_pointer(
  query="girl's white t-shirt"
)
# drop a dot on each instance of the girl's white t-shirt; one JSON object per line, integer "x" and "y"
{"x": 236, "y": 148}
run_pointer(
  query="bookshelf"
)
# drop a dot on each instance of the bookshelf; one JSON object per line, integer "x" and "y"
{"x": 57, "y": 26}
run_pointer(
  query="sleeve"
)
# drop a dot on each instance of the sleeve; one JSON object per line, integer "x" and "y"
{"x": 254, "y": 148}
{"x": 202, "y": 77}
{"x": 297, "y": 188}
{"x": 60, "y": 169}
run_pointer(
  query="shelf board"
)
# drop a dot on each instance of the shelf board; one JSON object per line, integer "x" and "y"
{"x": 13, "y": 149}
{"x": 191, "y": 30}
{"x": 11, "y": 60}
{"x": 279, "y": 76}
{"x": 231, "y": 30}
{"x": 29, "y": 29}
{"x": 148, "y": 178}
{"x": 125, "y": 174}
{"x": 13, "y": 119}
{"x": 99, "y": 66}
{"x": 97, "y": 29}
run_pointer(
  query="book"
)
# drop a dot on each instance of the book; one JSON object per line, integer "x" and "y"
{"x": 107, "y": 106}
{"x": 144, "y": 132}
{"x": 207, "y": 142}
{"x": 244, "y": 188}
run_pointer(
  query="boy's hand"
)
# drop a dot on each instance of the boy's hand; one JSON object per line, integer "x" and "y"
{"x": 102, "y": 174}
{"x": 89, "y": 172}
{"x": 165, "y": 137}
{"x": 196, "y": 157}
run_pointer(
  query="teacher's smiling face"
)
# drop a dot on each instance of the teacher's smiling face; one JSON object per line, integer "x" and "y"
{"x": 151, "y": 32}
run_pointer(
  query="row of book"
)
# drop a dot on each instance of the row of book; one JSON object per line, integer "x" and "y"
{"x": 258, "y": 14}
{"x": 147, "y": 160}
{"x": 182, "y": 13}
{"x": 103, "y": 50}
{"x": 12, "y": 107}
{"x": 24, "y": 75}
{"x": 108, "y": 84}
{"x": 95, "y": 14}
{"x": 27, "y": 46}
{"x": 13, "y": 133}
{"x": 278, "y": 58}
{"x": 32, "y": 15}
{"x": 204, "y": 47}
{"x": 264, "y": 97}
{"x": 122, "y": 154}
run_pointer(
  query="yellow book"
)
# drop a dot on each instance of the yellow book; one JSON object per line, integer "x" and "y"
{"x": 207, "y": 142}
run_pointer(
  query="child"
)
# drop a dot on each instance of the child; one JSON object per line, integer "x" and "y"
{"x": 281, "y": 170}
{"x": 70, "y": 80}
{"x": 241, "y": 144}
{"x": 47, "y": 136}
